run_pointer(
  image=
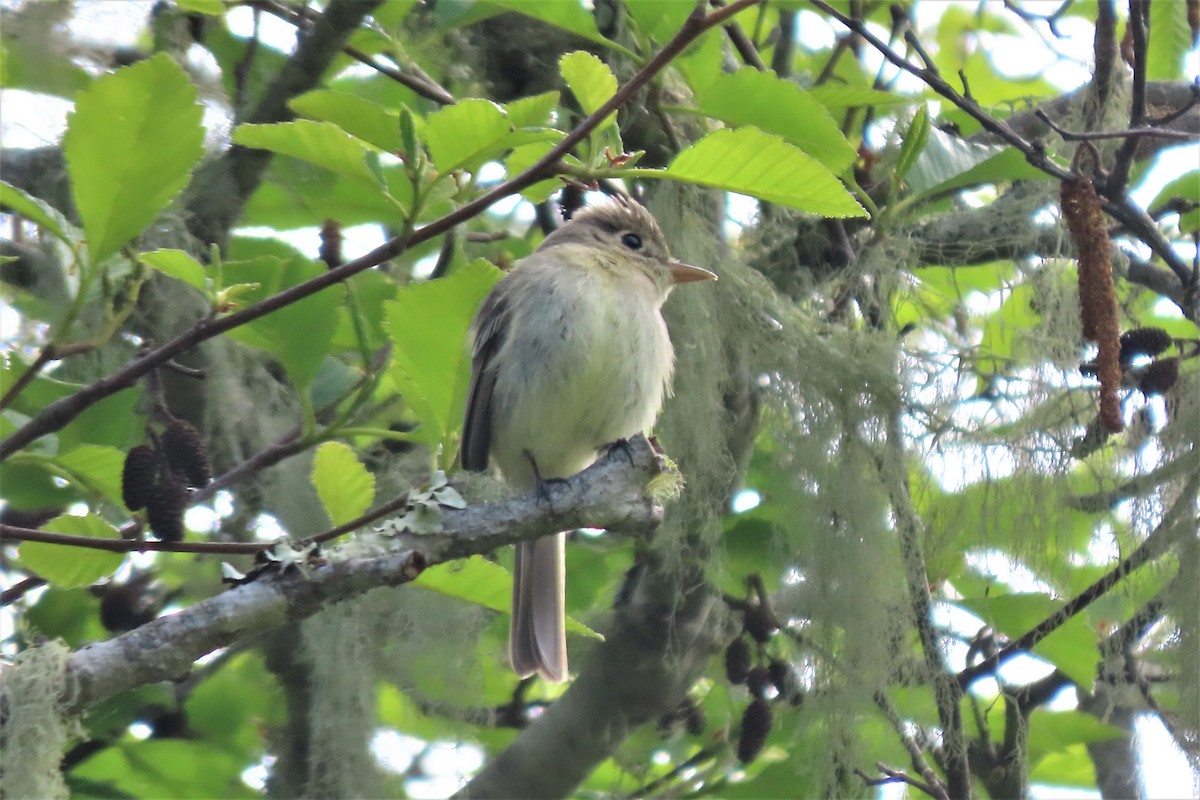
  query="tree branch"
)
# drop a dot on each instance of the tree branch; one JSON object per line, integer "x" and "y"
{"x": 610, "y": 494}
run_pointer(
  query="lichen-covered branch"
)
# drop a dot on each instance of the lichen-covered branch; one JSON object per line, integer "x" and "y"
{"x": 611, "y": 493}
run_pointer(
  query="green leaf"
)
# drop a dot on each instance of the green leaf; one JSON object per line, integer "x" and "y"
{"x": 297, "y": 334}
{"x": 1170, "y": 41}
{"x": 948, "y": 162}
{"x": 62, "y": 565}
{"x": 484, "y": 583}
{"x": 834, "y": 95}
{"x": 467, "y": 134}
{"x": 524, "y": 157}
{"x": 1073, "y": 647}
{"x": 751, "y": 162}
{"x": 532, "y": 112}
{"x": 130, "y": 147}
{"x": 31, "y": 487}
{"x": 36, "y": 211}
{"x": 112, "y": 421}
{"x": 213, "y": 8}
{"x": 1058, "y": 731}
{"x": 357, "y": 116}
{"x": 569, "y": 16}
{"x": 428, "y": 325}
{"x": 591, "y": 81}
{"x": 302, "y": 195}
{"x": 659, "y": 19}
{"x": 320, "y": 143}
{"x": 96, "y": 467}
{"x": 750, "y": 97}
{"x": 345, "y": 487}
{"x": 177, "y": 264}
{"x": 916, "y": 136}
{"x": 1187, "y": 188}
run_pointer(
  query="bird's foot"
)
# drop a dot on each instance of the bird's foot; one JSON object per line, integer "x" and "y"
{"x": 542, "y": 485}
{"x": 621, "y": 445}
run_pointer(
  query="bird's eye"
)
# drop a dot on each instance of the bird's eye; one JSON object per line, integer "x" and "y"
{"x": 632, "y": 241}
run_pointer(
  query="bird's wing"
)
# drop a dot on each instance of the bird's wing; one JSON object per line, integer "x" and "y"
{"x": 490, "y": 326}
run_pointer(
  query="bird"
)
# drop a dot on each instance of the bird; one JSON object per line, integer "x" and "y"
{"x": 570, "y": 355}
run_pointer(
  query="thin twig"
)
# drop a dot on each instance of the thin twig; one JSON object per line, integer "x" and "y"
{"x": 57, "y": 414}
{"x": 741, "y": 42}
{"x": 423, "y": 85}
{"x": 19, "y": 589}
{"x": 1138, "y": 26}
{"x": 1159, "y": 133}
{"x": 1155, "y": 545}
{"x": 897, "y": 776}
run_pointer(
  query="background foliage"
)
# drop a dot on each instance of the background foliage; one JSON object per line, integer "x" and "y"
{"x": 929, "y": 558}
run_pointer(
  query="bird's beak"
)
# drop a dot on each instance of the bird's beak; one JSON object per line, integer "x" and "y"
{"x": 686, "y": 273}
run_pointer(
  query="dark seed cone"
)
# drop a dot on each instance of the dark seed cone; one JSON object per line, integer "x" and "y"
{"x": 737, "y": 661}
{"x": 164, "y": 511}
{"x": 138, "y": 477}
{"x": 1097, "y": 298}
{"x": 758, "y": 622}
{"x": 758, "y": 680}
{"x": 1143, "y": 342}
{"x": 781, "y": 676}
{"x": 186, "y": 454}
{"x": 1159, "y": 376}
{"x": 756, "y": 725}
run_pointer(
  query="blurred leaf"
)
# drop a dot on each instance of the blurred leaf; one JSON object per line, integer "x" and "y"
{"x": 1186, "y": 188}
{"x": 168, "y": 769}
{"x": 428, "y": 325}
{"x": 838, "y": 96}
{"x": 31, "y": 487}
{"x": 297, "y": 334}
{"x": 1170, "y": 43}
{"x": 130, "y": 146}
{"x": 659, "y": 19}
{"x": 72, "y": 615}
{"x": 37, "y": 211}
{"x": 345, "y": 487}
{"x": 355, "y": 115}
{"x": 1059, "y": 731}
{"x": 751, "y": 162}
{"x": 96, "y": 467}
{"x": 1073, "y": 647}
{"x": 320, "y": 143}
{"x": 178, "y": 265}
{"x": 774, "y": 105}
{"x": 569, "y": 16}
{"x": 67, "y": 566}
{"x": 297, "y": 195}
{"x": 484, "y": 583}
{"x": 916, "y": 136}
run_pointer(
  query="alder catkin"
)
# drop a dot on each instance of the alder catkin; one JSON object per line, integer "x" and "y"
{"x": 756, "y": 726}
{"x": 1097, "y": 298}
{"x": 185, "y": 452}
{"x": 138, "y": 476}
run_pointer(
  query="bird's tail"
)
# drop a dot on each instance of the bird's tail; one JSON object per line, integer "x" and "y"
{"x": 537, "y": 636}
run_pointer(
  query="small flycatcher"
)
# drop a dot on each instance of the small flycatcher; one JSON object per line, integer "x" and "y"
{"x": 571, "y": 354}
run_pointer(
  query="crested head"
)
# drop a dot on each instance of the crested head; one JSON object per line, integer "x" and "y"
{"x": 620, "y": 225}
{"x": 629, "y": 235}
